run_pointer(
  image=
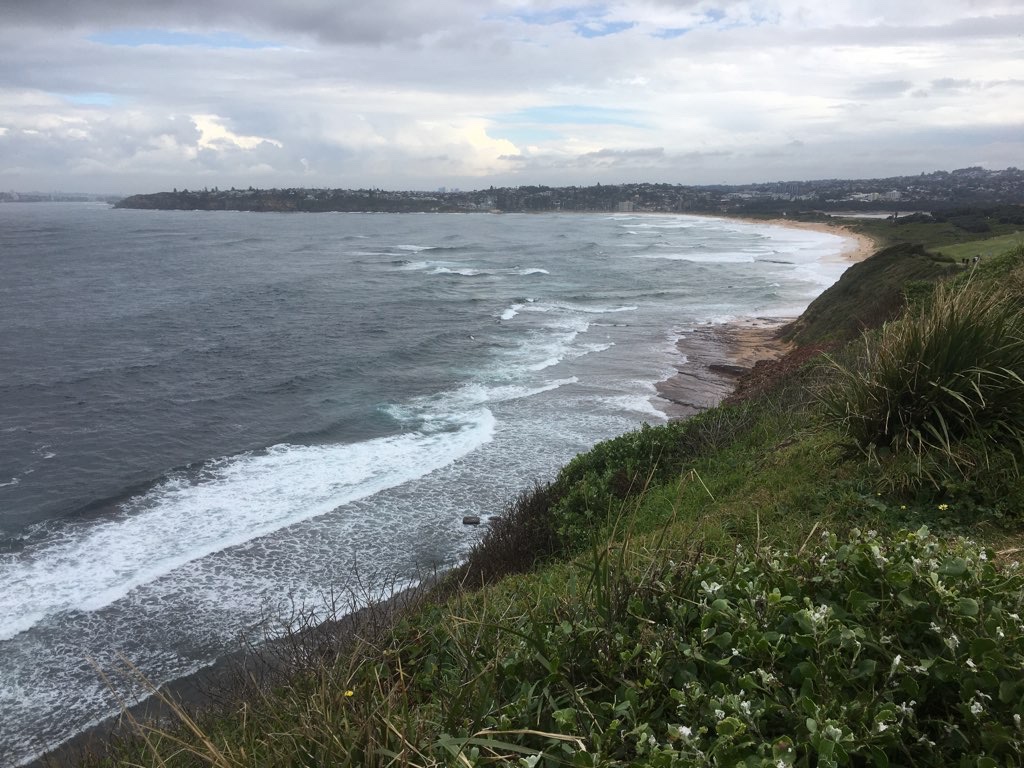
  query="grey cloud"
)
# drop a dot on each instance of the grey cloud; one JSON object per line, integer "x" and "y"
{"x": 351, "y": 22}
{"x": 625, "y": 154}
{"x": 882, "y": 89}
{"x": 950, "y": 83}
{"x": 399, "y": 92}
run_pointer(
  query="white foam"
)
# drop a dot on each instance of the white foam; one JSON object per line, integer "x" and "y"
{"x": 635, "y": 404}
{"x": 568, "y": 307}
{"x": 240, "y": 498}
{"x": 479, "y": 394}
{"x": 532, "y": 271}
{"x": 465, "y": 272}
{"x": 511, "y": 312}
{"x": 699, "y": 257}
{"x": 12, "y": 481}
{"x": 415, "y": 248}
{"x": 563, "y": 351}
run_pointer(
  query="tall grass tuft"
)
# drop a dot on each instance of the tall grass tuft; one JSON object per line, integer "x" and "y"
{"x": 944, "y": 384}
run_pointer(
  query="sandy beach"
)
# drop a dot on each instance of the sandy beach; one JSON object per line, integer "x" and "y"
{"x": 716, "y": 356}
{"x": 859, "y": 246}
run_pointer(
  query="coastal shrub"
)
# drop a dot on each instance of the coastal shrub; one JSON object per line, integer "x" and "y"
{"x": 942, "y": 384}
{"x": 591, "y": 490}
{"x": 522, "y": 536}
{"x": 851, "y": 652}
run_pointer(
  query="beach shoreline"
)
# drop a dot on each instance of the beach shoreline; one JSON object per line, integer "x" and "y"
{"x": 715, "y": 357}
{"x": 859, "y": 247}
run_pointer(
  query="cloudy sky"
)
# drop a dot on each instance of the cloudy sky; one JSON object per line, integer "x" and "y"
{"x": 115, "y": 96}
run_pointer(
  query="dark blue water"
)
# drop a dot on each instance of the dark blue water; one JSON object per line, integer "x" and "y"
{"x": 207, "y": 418}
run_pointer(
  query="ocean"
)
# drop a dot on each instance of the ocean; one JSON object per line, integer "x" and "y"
{"x": 209, "y": 420}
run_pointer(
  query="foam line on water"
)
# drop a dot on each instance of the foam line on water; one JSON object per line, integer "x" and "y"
{"x": 511, "y": 312}
{"x": 239, "y": 499}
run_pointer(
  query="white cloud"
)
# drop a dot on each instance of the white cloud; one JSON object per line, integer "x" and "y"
{"x": 214, "y": 135}
{"x": 400, "y": 93}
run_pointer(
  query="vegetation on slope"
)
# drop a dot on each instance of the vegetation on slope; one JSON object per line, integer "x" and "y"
{"x": 704, "y": 593}
{"x": 946, "y": 231}
{"x": 868, "y": 294}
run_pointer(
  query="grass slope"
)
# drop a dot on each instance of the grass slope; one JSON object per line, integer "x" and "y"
{"x": 868, "y": 294}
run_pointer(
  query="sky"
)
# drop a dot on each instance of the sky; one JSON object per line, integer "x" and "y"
{"x": 146, "y": 95}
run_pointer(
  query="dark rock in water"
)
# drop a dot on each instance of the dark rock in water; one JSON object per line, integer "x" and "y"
{"x": 494, "y": 519}
{"x": 471, "y": 520}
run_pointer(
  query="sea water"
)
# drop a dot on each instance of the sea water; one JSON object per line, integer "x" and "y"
{"x": 211, "y": 419}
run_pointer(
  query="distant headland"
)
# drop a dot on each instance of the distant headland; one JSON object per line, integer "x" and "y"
{"x": 940, "y": 190}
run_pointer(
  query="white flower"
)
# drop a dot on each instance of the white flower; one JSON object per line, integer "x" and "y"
{"x": 882, "y": 727}
{"x": 971, "y": 664}
{"x": 745, "y": 707}
{"x": 719, "y": 714}
{"x": 780, "y": 764}
{"x": 895, "y": 664}
{"x": 735, "y": 652}
{"x": 952, "y": 642}
{"x": 976, "y": 707}
{"x": 710, "y": 588}
{"x": 833, "y": 733}
{"x": 935, "y": 628}
{"x": 983, "y": 555}
{"x": 1016, "y": 720}
{"x": 999, "y": 633}
{"x": 685, "y": 731}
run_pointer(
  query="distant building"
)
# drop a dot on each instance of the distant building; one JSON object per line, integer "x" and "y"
{"x": 626, "y": 206}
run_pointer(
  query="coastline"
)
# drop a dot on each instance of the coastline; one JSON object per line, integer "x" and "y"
{"x": 715, "y": 357}
{"x": 860, "y": 246}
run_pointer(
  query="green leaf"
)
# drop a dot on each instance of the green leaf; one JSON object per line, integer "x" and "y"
{"x": 860, "y": 601}
{"x": 1007, "y": 691}
{"x": 982, "y": 645}
{"x": 730, "y": 726}
{"x": 908, "y": 600}
{"x": 967, "y": 606}
{"x": 954, "y": 566}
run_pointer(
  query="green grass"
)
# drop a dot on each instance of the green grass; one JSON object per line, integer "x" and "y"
{"x": 993, "y": 246}
{"x": 941, "y": 236}
{"x": 944, "y": 383}
{"x": 868, "y": 294}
